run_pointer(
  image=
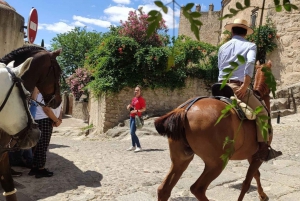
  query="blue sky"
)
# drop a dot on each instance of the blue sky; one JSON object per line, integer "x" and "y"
{"x": 60, "y": 16}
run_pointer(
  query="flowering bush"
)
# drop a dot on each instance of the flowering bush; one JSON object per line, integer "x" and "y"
{"x": 136, "y": 28}
{"x": 77, "y": 82}
{"x": 264, "y": 37}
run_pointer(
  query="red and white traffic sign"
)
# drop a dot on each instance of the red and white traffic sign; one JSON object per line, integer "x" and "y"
{"x": 32, "y": 25}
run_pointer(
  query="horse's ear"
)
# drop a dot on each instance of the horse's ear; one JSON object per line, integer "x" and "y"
{"x": 10, "y": 64}
{"x": 269, "y": 64}
{"x": 22, "y": 68}
{"x": 257, "y": 64}
{"x": 57, "y": 52}
{"x": 2, "y": 65}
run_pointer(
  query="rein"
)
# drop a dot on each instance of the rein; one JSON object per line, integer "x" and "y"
{"x": 20, "y": 135}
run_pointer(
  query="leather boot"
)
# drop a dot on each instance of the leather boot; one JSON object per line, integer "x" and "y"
{"x": 265, "y": 152}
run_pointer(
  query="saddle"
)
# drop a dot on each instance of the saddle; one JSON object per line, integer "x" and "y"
{"x": 227, "y": 96}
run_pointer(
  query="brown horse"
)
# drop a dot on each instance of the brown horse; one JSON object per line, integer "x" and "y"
{"x": 44, "y": 73}
{"x": 194, "y": 132}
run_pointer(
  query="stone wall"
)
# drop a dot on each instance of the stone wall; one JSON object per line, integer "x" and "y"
{"x": 11, "y": 29}
{"x": 209, "y": 31}
{"x": 107, "y": 111}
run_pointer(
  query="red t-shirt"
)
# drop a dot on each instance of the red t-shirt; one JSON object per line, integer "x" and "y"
{"x": 138, "y": 104}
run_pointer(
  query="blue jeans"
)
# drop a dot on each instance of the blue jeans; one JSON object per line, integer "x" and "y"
{"x": 134, "y": 137}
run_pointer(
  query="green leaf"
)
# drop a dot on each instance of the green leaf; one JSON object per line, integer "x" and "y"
{"x": 276, "y": 2}
{"x": 241, "y": 59}
{"x": 228, "y": 70}
{"x": 247, "y": 3}
{"x": 233, "y": 11}
{"x": 151, "y": 28}
{"x": 258, "y": 109}
{"x": 159, "y": 4}
{"x": 150, "y": 19}
{"x": 165, "y": 9}
{"x": 278, "y": 8}
{"x": 294, "y": 7}
{"x": 287, "y": 7}
{"x": 195, "y": 14}
{"x": 195, "y": 30}
{"x": 153, "y": 12}
{"x": 226, "y": 16}
{"x": 188, "y": 6}
{"x": 186, "y": 14}
{"x": 234, "y": 64}
{"x": 239, "y": 5}
{"x": 198, "y": 22}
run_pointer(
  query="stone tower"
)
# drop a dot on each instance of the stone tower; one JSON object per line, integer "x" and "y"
{"x": 210, "y": 30}
{"x": 11, "y": 31}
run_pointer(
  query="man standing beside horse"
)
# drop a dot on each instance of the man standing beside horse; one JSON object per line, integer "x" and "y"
{"x": 241, "y": 78}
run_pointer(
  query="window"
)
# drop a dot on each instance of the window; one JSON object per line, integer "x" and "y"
{"x": 253, "y": 17}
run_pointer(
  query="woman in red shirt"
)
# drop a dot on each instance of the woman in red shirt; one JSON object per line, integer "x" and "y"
{"x": 136, "y": 107}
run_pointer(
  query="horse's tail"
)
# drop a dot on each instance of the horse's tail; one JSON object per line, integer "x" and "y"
{"x": 172, "y": 124}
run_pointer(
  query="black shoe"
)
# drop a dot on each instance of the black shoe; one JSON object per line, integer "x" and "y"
{"x": 273, "y": 154}
{"x": 33, "y": 171}
{"x": 15, "y": 173}
{"x": 43, "y": 173}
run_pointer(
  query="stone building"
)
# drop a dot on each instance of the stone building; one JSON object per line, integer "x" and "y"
{"x": 285, "y": 60}
{"x": 209, "y": 31}
{"x": 11, "y": 29}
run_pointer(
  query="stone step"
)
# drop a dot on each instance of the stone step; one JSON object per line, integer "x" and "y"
{"x": 283, "y": 113}
{"x": 279, "y": 104}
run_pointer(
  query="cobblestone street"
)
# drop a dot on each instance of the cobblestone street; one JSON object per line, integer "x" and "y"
{"x": 93, "y": 168}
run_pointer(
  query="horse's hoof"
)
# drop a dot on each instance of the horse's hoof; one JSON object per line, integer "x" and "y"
{"x": 263, "y": 198}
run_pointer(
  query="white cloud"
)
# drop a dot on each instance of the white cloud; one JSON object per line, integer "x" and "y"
{"x": 97, "y": 22}
{"x": 204, "y": 7}
{"x": 59, "y": 27}
{"x": 79, "y": 24}
{"x": 117, "y": 13}
{"x": 122, "y": 1}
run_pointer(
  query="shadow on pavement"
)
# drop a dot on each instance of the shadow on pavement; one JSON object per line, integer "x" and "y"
{"x": 183, "y": 199}
{"x": 67, "y": 176}
{"x": 149, "y": 150}
{"x": 54, "y": 146}
{"x": 239, "y": 187}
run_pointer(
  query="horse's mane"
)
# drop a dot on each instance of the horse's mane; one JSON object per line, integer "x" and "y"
{"x": 260, "y": 87}
{"x": 21, "y": 53}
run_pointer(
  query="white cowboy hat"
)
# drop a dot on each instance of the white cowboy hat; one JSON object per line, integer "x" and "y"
{"x": 239, "y": 23}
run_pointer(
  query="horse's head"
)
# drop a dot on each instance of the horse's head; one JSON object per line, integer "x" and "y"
{"x": 49, "y": 81}
{"x": 16, "y": 119}
{"x": 260, "y": 87}
{"x": 44, "y": 72}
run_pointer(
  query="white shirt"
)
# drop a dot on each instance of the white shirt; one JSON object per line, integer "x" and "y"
{"x": 40, "y": 114}
{"x": 229, "y": 51}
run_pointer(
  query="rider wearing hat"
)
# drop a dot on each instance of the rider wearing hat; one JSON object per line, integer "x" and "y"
{"x": 241, "y": 78}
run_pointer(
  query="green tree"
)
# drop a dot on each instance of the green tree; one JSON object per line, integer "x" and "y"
{"x": 75, "y": 44}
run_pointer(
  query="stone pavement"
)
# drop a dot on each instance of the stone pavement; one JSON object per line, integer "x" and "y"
{"x": 93, "y": 168}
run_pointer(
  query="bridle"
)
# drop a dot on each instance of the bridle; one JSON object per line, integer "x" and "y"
{"x": 20, "y": 136}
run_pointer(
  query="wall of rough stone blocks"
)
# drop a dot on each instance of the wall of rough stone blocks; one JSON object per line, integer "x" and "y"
{"x": 107, "y": 111}
{"x": 209, "y": 31}
{"x": 11, "y": 31}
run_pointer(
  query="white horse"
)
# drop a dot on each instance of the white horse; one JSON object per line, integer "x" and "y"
{"x": 15, "y": 116}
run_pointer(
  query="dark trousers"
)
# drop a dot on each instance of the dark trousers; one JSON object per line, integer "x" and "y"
{"x": 39, "y": 157}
